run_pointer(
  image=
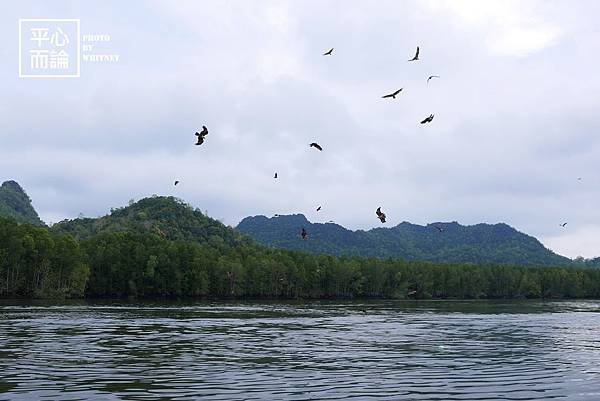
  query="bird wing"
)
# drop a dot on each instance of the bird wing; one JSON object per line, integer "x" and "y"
{"x": 385, "y": 96}
{"x": 417, "y": 54}
{"x": 425, "y": 120}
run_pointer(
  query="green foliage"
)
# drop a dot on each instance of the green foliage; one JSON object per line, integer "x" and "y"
{"x": 35, "y": 263}
{"x": 167, "y": 217}
{"x": 15, "y": 204}
{"x": 146, "y": 265}
{"x": 160, "y": 247}
{"x": 497, "y": 244}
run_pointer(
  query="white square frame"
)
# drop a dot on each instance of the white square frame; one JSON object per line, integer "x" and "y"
{"x": 78, "y": 21}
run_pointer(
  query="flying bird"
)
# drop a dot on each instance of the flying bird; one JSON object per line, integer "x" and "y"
{"x": 380, "y": 214}
{"x": 201, "y": 135}
{"x": 316, "y": 146}
{"x": 303, "y": 233}
{"x": 328, "y": 53}
{"x": 563, "y": 224}
{"x": 416, "y": 57}
{"x": 578, "y": 178}
{"x": 331, "y": 221}
{"x": 319, "y": 208}
{"x": 440, "y": 229}
{"x": 275, "y": 175}
{"x": 428, "y": 119}
{"x": 392, "y": 95}
{"x": 432, "y": 76}
{"x": 176, "y": 182}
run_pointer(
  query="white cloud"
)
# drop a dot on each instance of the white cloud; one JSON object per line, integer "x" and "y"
{"x": 509, "y": 27}
{"x": 510, "y": 136}
{"x": 582, "y": 240}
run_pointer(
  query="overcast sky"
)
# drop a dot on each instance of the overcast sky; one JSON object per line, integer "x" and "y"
{"x": 516, "y": 112}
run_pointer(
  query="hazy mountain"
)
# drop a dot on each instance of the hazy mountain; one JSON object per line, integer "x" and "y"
{"x": 477, "y": 244}
{"x": 15, "y": 204}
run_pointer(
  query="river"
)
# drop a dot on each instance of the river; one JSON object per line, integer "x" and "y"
{"x": 396, "y": 350}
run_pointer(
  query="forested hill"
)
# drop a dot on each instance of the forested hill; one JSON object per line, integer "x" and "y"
{"x": 15, "y": 204}
{"x": 168, "y": 217}
{"x": 478, "y": 244}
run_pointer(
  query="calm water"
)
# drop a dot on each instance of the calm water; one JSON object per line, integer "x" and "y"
{"x": 301, "y": 351}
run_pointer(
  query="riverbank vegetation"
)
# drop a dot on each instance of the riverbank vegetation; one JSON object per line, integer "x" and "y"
{"x": 211, "y": 260}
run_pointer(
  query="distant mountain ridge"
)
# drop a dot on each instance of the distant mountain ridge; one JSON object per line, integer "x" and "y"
{"x": 498, "y": 244}
{"x": 16, "y": 204}
{"x": 174, "y": 220}
{"x": 166, "y": 216}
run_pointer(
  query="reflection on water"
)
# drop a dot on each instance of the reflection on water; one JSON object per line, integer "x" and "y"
{"x": 301, "y": 351}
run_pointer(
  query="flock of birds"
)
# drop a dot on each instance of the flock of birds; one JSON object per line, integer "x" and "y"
{"x": 200, "y": 136}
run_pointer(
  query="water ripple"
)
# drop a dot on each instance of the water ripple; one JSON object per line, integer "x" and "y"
{"x": 325, "y": 350}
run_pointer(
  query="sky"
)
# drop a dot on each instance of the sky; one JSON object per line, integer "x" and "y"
{"x": 515, "y": 137}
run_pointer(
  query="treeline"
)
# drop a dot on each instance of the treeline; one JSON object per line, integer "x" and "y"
{"x": 36, "y": 263}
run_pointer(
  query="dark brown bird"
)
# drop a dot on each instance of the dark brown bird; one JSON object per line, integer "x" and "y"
{"x": 432, "y": 76}
{"x": 392, "y": 95}
{"x": 380, "y": 214}
{"x": 416, "y": 57}
{"x": 303, "y": 233}
{"x": 328, "y": 53}
{"x": 176, "y": 182}
{"x": 319, "y": 208}
{"x": 201, "y": 135}
{"x": 275, "y": 175}
{"x": 316, "y": 146}
{"x": 563, "y": 224}
{"x": 428, "y": 119}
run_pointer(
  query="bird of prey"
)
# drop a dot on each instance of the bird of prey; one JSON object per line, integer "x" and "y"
{"x": 319, "y": 208}
{"x": 328, "y": 53}
{"x": 176, "y": 182}
{"x": 392, "y": 95}
{"x": 428, "y": 119}
{"x": 316, "y": 146}
{"x": 303, "y": 233}
{"x": 380, "y": 214}
{"x": 275, "y": 176}
{"x": 416, "y": 57}
{"x": 201, "y": 135}
{"x": 432, "y": 76}
{"x": 440, "y": 229}
{"x": 563, "y": 224}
